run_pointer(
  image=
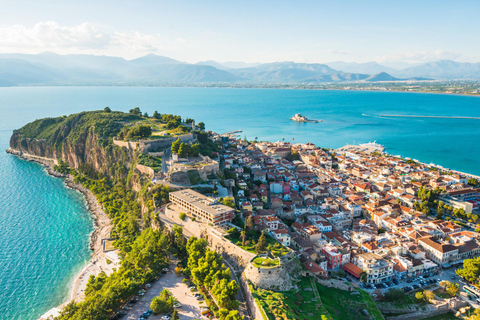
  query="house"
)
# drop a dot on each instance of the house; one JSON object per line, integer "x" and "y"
{"x": 282, "y": 236}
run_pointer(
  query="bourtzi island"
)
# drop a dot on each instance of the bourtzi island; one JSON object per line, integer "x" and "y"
{"x": 255, "y": 229}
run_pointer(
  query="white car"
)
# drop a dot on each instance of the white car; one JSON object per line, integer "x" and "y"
{"x": 165, "y": 318}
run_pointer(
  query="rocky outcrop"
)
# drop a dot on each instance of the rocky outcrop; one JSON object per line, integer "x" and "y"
{"x": 79, "y": 148}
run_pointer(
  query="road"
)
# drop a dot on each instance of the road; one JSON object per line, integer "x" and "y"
{"x": 166, "y": 158}
{"x": 190, "y": 308}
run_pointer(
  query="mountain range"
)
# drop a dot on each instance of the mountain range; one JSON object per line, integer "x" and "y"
{"x": 78, "y": 69}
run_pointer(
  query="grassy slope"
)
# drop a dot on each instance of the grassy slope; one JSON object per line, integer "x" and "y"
{"x": 335, "y": 304}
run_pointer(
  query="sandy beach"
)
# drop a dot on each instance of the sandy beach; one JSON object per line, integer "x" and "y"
{"x": 101, "y": 231}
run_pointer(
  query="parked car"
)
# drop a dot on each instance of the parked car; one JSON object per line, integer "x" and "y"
{"x": 395, "y": 281}
{"x": 416, "y": 286}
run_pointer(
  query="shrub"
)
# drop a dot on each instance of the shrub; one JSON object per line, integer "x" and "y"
{"x": 182, "y": 216}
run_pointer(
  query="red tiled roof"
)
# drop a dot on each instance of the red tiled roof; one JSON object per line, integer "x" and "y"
{"x": 352, "y": 269}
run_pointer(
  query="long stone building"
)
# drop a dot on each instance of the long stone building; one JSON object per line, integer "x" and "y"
{"x": 202, "y": 208}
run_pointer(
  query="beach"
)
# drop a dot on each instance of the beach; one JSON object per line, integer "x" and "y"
{"x": 102, "y": 227}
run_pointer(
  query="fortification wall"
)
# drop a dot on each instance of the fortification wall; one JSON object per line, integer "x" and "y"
{"x": 276, "y": 279}
{"x": 150, "y": 145}
{"x": 254, "y": 307}
{"x": 131, "y": 145}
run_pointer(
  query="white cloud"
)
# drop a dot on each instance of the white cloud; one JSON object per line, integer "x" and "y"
{"x": 82, "y": 38}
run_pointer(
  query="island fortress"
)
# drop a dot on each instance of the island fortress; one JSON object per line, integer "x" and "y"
{"x": 299, "y": 118}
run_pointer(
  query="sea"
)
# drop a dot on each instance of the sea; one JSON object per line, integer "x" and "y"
{"x": 45, "y": 227}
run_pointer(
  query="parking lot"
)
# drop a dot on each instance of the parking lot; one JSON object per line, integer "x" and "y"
{"x": 189, "y": 309}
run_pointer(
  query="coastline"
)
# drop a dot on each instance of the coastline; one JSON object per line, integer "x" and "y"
{"x": 101, "y": 224}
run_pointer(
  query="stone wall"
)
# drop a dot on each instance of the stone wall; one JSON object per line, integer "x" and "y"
{"x": 276, "y": 278}
{"x": 225, "y": 247}
{"x": 256, "y": 310}
{"x": 131, "y": 145}
{"x": 152, "y": 145}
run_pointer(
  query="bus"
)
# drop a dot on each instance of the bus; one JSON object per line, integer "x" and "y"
{"x": 472, "y": 290}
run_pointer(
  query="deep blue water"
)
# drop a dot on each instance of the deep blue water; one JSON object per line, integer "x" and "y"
{"x": 44, "y": 227}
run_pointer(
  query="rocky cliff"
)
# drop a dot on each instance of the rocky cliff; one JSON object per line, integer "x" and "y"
{"x": 83, "y": 139}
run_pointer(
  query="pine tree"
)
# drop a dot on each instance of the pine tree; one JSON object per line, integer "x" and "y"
{"x": 262, "y": 244}
{"x": 176, "y": 146}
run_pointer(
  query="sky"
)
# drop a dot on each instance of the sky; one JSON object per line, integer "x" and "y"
{"x": 388, "y": 32}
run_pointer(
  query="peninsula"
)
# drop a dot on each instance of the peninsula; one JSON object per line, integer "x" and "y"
{"x": 347, "y": 231}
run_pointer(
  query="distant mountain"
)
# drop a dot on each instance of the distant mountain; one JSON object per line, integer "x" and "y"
{"x": 354, "y": 67}
{"x": 54, "y": 69}
{"x": 279, "y": 72}
{"x": 382, "y": 76}
{"x": 238, "y": 64}
{"x": 153, "y": 59}
{"x": 212, "y": 63}
{"x": 443, "y": 69}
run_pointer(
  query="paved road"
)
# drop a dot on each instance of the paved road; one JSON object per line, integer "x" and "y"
{"x": 166, "y": 158}
{"x": 190, "y": 308}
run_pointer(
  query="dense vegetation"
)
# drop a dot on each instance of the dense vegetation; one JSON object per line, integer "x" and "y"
{"x": 144, "y": 251}
{"x": 470, "y": 270}
{"x": 105, "y": 125}
{"x": 206, "y": 269}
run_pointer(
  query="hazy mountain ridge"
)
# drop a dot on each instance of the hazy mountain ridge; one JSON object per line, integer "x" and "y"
{"x": 54, "y": 69}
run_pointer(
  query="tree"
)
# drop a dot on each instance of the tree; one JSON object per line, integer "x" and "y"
{"x": 471, "y": 270}
{"x": 175, "y": 315}
{"x": 107, "y": 110}
{"x": 363, "y": 276}
{"x": 429, "y": 295}
{"x": 183, "y": 150}
{"x": 201, "y": 125}
{"x": 453, "y": 288}
{"x": 419, "y": 296}
{"x": 182, "y": 216}
{"x": 156, "y": 115}
{"x": 243, "y": 237}
{"x": 145, "y": 115}
{"x": 175, "y": 146}
{"x": 261, "y": 245}
{"x": 249, "y": 225}
{"x": 473, "y": 182}
{"x": 135, "y": 111}
{"x": 444, "y": 284}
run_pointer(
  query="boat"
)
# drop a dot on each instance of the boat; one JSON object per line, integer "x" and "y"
{"x": 299, "y": 118}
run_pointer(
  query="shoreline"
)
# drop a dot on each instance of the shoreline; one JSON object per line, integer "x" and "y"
{"x": 293, "y": 87}
{"x": 101, "y": 230}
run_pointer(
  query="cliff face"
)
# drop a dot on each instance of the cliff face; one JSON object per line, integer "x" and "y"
{"x": 79, "y": 140}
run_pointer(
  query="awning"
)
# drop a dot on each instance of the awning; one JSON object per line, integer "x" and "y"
{"x": 352, "y": 269}
{"x": 446, "y": 265}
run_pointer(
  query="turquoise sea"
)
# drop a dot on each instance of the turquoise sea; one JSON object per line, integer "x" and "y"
{"x": 44, "y": 227}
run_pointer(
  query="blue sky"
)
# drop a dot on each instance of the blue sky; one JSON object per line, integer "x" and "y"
{"x": 251, "y": 31}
